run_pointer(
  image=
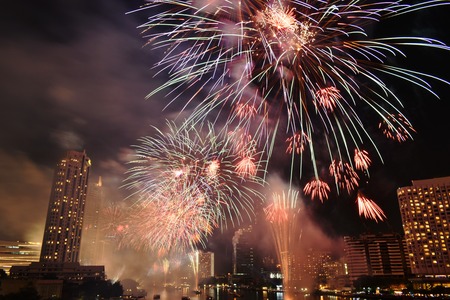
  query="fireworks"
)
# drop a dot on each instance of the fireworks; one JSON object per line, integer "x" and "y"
{"x": 396, "y": 127}
{"x": 310, "y": 66}
{"x": 170, "y": 224}
{"x": 310, "y": 70}
{"x": 317, "y": 189}
{"x": 283, "y": 214}
{"x": 188, "y": 184}
{"x": 345, "y": 177}
{"x": 369, "y": 209}
{"x": 297, "y": 142}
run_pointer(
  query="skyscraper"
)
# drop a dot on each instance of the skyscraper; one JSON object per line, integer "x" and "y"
{"x": 62, "y": 233}
{"x": 63, "y": 227}
{"x": 243, "y": 251}
{"x": 425, "y": 212}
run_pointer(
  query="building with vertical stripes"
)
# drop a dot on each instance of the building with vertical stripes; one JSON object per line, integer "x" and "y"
{"x": 64, "y": 223}
{"x": 377, "y": 255}
{"x": 59, "y": 257}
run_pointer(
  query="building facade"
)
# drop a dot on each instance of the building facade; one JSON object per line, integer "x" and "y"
{"x": 425, "y": 212}
{"x": 377, "y": 255}
{"x": 64, "y": 224}
{"x": 243, "y": 251}
{"x": 206, "y": 265}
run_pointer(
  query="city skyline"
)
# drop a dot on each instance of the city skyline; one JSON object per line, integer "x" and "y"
{"x": 76, "y": 78}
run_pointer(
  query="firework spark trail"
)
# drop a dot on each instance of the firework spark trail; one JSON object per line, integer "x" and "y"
{"x": 362, "y": 160}
{"x": 187, "y": 183}
{"x": 283, "y": 214}
{"x": 194, "y": 260}
{"x": 369, "y": 209}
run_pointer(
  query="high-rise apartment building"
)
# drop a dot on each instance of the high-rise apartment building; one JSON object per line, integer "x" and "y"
{"x": 60, "y": 250}
{"x": 425, "y": 212}
{"x": 63, "y": 227}
{"x": 243, "y": 251}
{"x": 381, "y": 255}
{"x": 206, "y": 265}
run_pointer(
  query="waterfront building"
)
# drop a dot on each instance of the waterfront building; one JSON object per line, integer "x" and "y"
{"x": 376, "y": 255}
{"x": 206, "y": 266}
{"x": 70, "y": 271}
{"x": 64, "y": 223}
{"x": 243, "y": 255}
{"x": 59, "y": 257}
{"x": 18, "y": 253}
{"x": 425, "y": 212}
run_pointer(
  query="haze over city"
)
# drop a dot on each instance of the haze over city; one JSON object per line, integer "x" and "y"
{"x": 75, "y": 77}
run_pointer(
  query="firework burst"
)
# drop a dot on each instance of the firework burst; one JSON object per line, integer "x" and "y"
{"x": 189, "y": 184}
{"x": 344, "y": 175}
{"x": 283, "y": 214}
{"x": 171, "y": 224}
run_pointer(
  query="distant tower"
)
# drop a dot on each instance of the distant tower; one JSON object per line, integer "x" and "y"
{"x": 425, "y": 211}
{"x": 92, "y": 243}
{"x": 63, "y": 227}
{"x": 243, "y": 252}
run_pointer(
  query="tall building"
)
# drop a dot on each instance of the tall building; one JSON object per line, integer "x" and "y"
{"x": 425, "y": 212}
{"x": 380, "y": 255}
{"x": 59, "y": 259}
{"x": 243, "y": 251}
{"x": 92, "y": 244}
{"x": 206, "y": 265}
{"x": 244, "y": 270}
{"x": 64, "y": 224}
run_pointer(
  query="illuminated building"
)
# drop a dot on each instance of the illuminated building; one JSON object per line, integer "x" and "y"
{"x": 18, "y": 254}
{"x": 59, "y": 258}
{"x": 64, "y": 224}
{"x": 92, "y": 243}
{"x": 377, "y": 255}
{"x": 311, "y": 269}
{"x": 425, "y": 213}
{"x": 206, "y": 265}
{"x": 243, "y": 255}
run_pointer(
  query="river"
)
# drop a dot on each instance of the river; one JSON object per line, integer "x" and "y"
{"x": 223, "y": 294}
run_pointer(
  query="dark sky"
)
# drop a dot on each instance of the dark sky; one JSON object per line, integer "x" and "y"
{"x": 74, "y": 75}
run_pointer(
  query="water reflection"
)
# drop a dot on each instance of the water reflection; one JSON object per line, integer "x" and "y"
{"x": 224, "y": 294}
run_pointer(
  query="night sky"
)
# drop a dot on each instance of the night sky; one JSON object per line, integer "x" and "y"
{"x": 74, "y": 75}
